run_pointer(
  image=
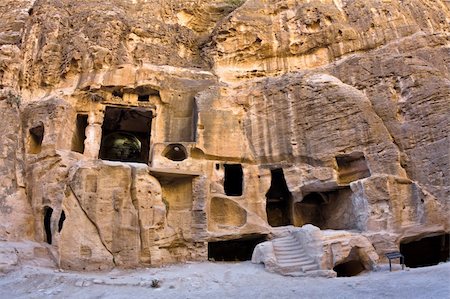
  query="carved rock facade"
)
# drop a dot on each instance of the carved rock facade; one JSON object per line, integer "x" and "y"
{"x": 152, "y": 132}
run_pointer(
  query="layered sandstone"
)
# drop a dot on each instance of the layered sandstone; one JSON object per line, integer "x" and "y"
{"x": 152, "y": 132}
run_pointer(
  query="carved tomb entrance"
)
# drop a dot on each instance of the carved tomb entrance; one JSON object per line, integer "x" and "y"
{"x": 126, "y": 134}
{"x": 278, "y": 200}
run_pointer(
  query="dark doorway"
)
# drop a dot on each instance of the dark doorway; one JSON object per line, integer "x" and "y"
{"x": 61, "y": 221}
{"x": 278, "y": 200}
{"x": 427, "y": 251}
{"x": 126, "y": 135}
{"x": 350, "y": 268}
{"x": 80, "y": 133}
{"x": 233, "y": 179}
{"x": 36, "y": 137}
{"x": 233, "y": 250}
{"x": 47, "y": 224}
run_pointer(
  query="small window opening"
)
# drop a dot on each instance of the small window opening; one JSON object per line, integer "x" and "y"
{"x": 117, "y": 93}
{"x": 233, "y": 250}
{"x": 217, "y": 166}
{"x": 126, "y": 135}
{"x": 36, "y": 137}
{"x": 145, "y": 92}
{"x": 61, "y": 221}
{"x": 427, "y": 251}
{"x": 175, "y": 152}
{"x": 79, "y": 135}
{"x": 47, "y": 224}
{"x": 278, "y": 200}
{"x": 233, "y": 179}
{"x": 143, "y": 98}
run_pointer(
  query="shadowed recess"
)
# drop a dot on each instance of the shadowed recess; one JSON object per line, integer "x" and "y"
{"x": 234, "y": 250}
{"x": 427, "y": 251}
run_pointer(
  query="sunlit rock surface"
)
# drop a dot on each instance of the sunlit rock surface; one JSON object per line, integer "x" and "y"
{"x": 247, "y": 120}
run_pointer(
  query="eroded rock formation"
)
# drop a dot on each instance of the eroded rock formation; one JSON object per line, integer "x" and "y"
{"x": 151, "y": 132}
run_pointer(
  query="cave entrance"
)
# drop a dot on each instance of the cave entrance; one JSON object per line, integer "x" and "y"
{"x": 234, "y": 250}
{"x": 47, "y": 224}
{"x": 233, "y": 179}
{"x": 327, "y": 210}
{"x": 278, "y": 200}
{"x": 349, "y": 268}
{"x": 80, "y": 133}
{"x": 126, "y": 135}
{"x": 427, "y": 251}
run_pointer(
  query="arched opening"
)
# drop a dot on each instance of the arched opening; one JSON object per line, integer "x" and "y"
{"x": 351, "y": 265}
{"x": 233, "y": 179}
{"x": 427, "y": 251}
{"x": 175, "y": 152}
{"x": 234, "y": 250}
{"x": 121, "y": 146}
{"x": 350, "y": 268}
{"x": 126, "y": 135}
{"x": 47, "y": 224}
{"x": 278, "y": 200}
{"x": 35, "y": 139}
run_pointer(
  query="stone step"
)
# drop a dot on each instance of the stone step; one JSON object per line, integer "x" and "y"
{"x": 290, "y": 245}
{"x": 296, "y": 267}
{"x": 288, "y": 249}
{"x": 310, "y": 267}
{"x": 294, "y": 261}
{"x": 288, "y": 256}
{"x": 294, "y": 250}
{"x": 291, "y": 255}
{"x": 289, "y": 252}
{"x": 284, "y": 240}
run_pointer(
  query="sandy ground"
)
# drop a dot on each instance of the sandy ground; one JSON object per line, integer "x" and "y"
{"x": 223, "y": 280}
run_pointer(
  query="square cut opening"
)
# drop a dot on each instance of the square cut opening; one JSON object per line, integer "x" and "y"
{"x": 126, "y": 135}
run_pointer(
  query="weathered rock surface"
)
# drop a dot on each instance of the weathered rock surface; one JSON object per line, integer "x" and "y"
{"x": 151, "y": 132}
{"x": 310, "y": 251}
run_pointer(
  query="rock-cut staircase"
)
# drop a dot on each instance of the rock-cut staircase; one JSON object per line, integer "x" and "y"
{"x": 291, "y": 258}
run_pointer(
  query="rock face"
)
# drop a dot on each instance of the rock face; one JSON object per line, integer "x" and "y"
{"x": 152, "y": 132}
{"x": 308, "y": 251}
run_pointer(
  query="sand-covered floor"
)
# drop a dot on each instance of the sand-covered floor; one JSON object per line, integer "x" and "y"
{"x": 223, "y": 280}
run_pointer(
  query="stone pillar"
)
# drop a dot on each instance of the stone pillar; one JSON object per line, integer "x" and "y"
{"x": 93, "y": 136}
{"x": 200, "y": 187}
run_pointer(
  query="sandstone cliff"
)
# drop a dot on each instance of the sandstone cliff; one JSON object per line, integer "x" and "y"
{"x": 150, "y": 132}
